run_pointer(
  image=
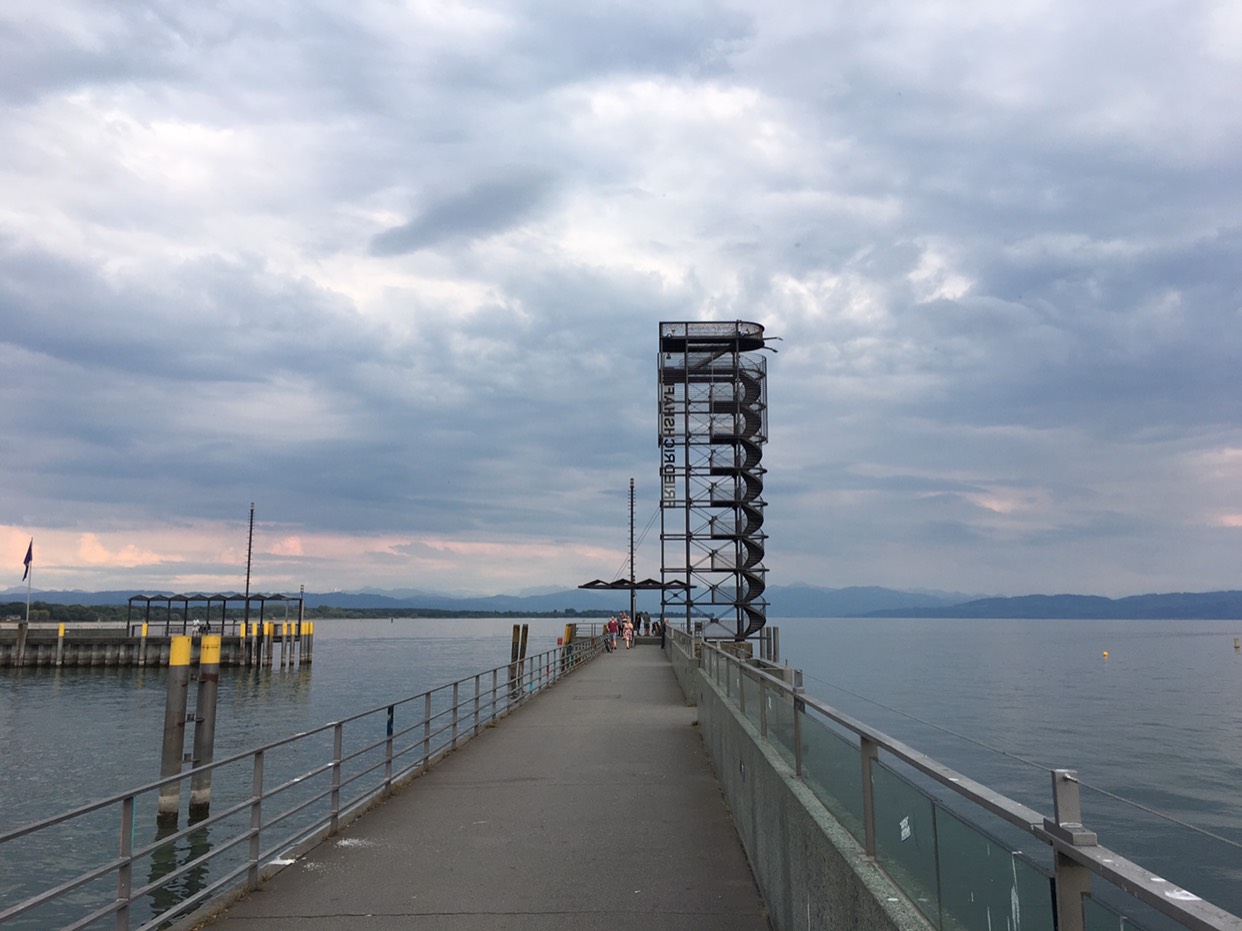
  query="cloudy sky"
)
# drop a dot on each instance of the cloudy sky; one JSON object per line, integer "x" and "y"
{"x": 393, "y": 271}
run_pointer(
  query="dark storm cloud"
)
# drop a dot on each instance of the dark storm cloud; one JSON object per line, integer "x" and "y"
{"x": 488, "y": 208}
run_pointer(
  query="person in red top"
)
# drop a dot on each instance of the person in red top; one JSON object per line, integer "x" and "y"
{"x": 612, "y": 628}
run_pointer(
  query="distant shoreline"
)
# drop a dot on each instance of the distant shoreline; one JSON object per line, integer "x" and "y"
{"x": 800, "y": 601}
{"x": 1177, "y": 606}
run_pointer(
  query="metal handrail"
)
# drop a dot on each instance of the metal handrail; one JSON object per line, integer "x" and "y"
{"x": 440, "y": 730}
{"x": 1110, "y": 866}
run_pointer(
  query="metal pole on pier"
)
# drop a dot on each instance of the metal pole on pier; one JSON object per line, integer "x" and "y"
{"x": 306, "y": 627}
{"x": 24, "y": 626}
{"x": 633, "y": 616}
{"x": 249, "y": 553}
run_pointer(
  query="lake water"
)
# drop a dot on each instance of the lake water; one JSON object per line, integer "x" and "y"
{"x": 1158, "y": 722}
{"x": 72, "y": 736}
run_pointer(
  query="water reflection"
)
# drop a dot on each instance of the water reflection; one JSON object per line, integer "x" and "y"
{"x": 186, "y": 852}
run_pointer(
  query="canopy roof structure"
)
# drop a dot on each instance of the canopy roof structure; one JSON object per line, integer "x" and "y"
{"x": 625, "y": 585}
{"x": 217, "y": 596}
{"x": 182, "y": 603}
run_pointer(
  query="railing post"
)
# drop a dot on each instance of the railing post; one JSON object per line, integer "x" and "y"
{"x": 256, "y": 820}
{"x": 799, "y": 709}
{"x": 426, "y": 731}
{"x": 477, "y": 695}
{"x": 338, "y": 742}
{"x": 388, "y": 751}
{"x": 1071, "y": 880}
{"x": 741, "y": 688}
{"x": 495, "y": 693}
{"x": 456, "y": 692}
{"x": 869, "y": 751}
{"x": 125, "y": 872}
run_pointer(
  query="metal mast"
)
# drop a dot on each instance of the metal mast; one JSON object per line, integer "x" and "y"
{"x": 249, "y": 553}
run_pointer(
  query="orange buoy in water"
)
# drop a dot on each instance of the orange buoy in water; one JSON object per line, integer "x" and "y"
{"x": 1106, "y": 654}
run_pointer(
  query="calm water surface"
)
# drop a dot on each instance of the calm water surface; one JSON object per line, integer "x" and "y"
{"x": 73, "y": 736}
{"x": 1158, "y": 722}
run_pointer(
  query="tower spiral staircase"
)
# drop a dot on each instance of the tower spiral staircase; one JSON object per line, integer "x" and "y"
{"x": 713, "y": 425}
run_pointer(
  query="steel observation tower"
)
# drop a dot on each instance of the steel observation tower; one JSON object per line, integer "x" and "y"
{"x": 713, "y": 425}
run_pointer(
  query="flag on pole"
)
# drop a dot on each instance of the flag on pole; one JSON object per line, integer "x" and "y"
{"x": 29, "y": 559}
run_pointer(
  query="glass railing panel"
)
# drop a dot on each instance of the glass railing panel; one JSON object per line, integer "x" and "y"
{"x": 750, "y": 691}
{"x": 1125, "y": 914}
{"x": 905, "y": 839}
{"x": 1099, "y": 917}
{"x": 780, "y": 712}
{"x": 831, "y": 769}
{"x": 985, "y": 884}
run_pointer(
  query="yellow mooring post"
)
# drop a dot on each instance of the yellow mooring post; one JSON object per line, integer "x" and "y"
{"x": 174, "y": 729}
{"x": 142, "y": 646}
{"x": 60, "y": 645}
{"x": 205, "y": 725}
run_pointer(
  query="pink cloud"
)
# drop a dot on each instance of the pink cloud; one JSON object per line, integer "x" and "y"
{"x": 93, "y": 553}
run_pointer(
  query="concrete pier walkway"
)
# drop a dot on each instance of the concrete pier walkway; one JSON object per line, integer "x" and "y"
{"x": 593, "y": 807}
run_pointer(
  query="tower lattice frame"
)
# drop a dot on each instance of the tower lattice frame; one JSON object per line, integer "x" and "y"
{"x": 713, "y": 425}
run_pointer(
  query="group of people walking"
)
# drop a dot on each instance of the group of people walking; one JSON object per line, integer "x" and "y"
{"x": 628, "y": 629}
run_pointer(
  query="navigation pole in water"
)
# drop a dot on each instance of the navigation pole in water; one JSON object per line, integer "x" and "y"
{"x": 713, "y": 424}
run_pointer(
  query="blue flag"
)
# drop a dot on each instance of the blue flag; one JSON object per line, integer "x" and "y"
{"x": 29, "y": 559}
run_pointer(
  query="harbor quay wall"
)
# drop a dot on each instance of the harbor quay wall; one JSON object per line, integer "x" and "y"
{"x": 83, "y": 648}
{"x": 810, "y": 870}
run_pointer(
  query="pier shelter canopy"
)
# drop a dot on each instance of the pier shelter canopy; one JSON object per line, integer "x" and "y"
{"x": 180, "y": 611}
{"x": 624, "y": 585}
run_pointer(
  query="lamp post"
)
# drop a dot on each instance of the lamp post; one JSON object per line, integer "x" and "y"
{"x": 249, "y": 552}
{"x": 633, "y": 616}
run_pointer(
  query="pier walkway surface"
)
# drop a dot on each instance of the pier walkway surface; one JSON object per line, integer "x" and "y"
{"x": 594, "y": 806}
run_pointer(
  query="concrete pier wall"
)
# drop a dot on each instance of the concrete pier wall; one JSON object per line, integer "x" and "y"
{"x": 810, "y": 870}
{"x": 82, "y": 649}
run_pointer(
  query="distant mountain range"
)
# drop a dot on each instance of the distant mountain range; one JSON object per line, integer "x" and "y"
{"x": 783, "y": 601}
{"x": 1207, "y": 606}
